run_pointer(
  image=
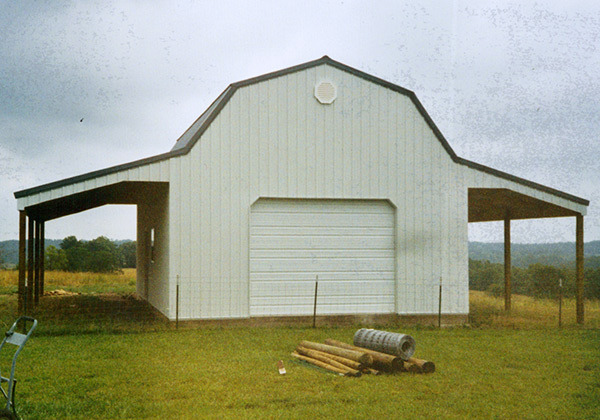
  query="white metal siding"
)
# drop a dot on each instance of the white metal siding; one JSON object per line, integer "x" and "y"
{"x": 274, "y": 139}
{"x": 152, "y": 276}
{"x": 349, "y": 245}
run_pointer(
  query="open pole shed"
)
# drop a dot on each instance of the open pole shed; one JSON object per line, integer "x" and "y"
{"x": 315, "y": 170}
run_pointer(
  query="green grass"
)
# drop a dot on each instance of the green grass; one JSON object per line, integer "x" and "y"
{"x": 120, "y": 363}
{"x": 231, "y": 373}
{"x": 528, "y": 312}
{"x": 93, "y": 283}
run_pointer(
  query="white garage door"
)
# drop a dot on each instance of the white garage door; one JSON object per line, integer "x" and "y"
{"x": 349, "y": 244}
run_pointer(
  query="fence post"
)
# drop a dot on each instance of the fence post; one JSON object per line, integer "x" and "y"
{"x": 440, "y": 306}
{"x": 177, "y": 303}
{"x": 315, "y": 304}
{"x": 560, "y": 296}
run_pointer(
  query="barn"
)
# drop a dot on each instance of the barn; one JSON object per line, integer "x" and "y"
{"x": 315, "y": 172}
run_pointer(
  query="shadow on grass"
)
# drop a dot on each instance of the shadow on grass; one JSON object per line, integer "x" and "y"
{"x": 78, "y": 313}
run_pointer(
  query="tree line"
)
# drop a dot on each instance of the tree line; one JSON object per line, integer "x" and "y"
{"x": 538, "y": 280}
{"x": 100, "y": 255}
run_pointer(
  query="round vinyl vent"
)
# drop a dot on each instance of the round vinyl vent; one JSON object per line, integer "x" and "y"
{"x": 325, "y": 92}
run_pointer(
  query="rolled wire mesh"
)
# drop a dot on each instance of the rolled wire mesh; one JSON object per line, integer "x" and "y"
{"x": 400, "y": 345}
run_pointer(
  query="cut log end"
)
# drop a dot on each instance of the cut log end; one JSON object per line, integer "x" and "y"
{"x": 425, "y": 366}
{"x": 428, "y": 367}
{"x": 366, "y": 359}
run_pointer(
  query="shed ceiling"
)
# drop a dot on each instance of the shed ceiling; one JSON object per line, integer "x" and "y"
{"x": 492, "y": 204}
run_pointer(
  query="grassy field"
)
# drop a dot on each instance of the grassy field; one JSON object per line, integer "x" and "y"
{"x": 123, "y": 282}
{"x": 516, "y": 366}
{"x": 528, "y": 312}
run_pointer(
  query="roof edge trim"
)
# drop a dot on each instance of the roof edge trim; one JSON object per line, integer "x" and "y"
{"x": 96, "y": 174}
{"x": 522, "y": 181}
{"x": 222, "y": 100}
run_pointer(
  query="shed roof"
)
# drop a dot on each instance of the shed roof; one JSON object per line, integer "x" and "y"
{"x": 189, "y": 138}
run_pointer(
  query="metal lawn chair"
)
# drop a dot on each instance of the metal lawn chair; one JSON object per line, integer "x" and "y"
{"x": 19, "y": 340}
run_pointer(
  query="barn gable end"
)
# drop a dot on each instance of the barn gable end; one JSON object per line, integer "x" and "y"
{"x": 274, "y": 140}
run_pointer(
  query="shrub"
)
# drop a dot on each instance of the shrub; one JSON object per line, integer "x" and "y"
{"x": 496, "y": 290}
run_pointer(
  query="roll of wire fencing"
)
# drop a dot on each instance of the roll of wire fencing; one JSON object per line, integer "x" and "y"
{"x": 400, "y": 345}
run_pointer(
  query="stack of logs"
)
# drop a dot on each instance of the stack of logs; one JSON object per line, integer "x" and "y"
{"x": 349, "y": 360}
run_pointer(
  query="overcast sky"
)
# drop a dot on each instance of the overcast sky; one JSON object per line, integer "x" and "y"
{"x": 511, "y": 84}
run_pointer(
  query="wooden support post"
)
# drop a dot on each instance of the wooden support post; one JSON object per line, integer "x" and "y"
{"x": 579, "y": 267}
{"x": 507, "y": 262}
{"x": 42, "y": 256}
{"x": 30, "y": 264}
{"x": 36, "y": 282}
{"x": 22, "y": 263}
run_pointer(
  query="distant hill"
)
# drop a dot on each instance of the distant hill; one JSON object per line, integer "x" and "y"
{"x": 9, "y": 250}
{"x": 523, "y": 255}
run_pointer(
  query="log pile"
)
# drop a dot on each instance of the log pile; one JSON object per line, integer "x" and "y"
{"x": 348, "y": 360}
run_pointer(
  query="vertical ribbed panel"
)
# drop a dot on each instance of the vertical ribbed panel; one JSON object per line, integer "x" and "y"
{"x": 274, "y": 139}
{"x": 153, "y": 213}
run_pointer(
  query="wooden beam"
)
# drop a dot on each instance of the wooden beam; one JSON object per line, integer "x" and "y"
{"x": 579, "y": 267}
{"x": 507, "y": 262}
{"x": 22, "y": 263}
{"x": 36, "y": 281}
{"x": 30, "y": 263}
{"x": 42, "y": 256}
{"x": 489, "y": 204}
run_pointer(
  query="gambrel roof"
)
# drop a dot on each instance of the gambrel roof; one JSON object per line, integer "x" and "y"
{"x": 189, "y": 138}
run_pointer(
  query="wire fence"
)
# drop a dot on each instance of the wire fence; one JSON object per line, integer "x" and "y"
{"x": 99, "y": 307}
{"x": 193, "y": 297}
{"x": 267, "y": 297}
{"x": 106, "y": 300}
{"x": 79, "y": 299}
